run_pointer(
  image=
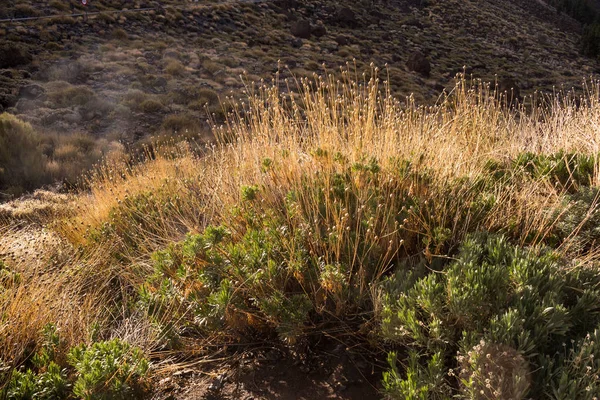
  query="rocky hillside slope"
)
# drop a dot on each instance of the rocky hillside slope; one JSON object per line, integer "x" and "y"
{"x": 125, "y": 75}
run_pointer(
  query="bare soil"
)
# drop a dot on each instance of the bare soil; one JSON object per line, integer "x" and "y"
{"x": 271, "y": 375}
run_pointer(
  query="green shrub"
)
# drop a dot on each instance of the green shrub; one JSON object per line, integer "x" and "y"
{"x": 421, "y": 382}
{"x": 134, "y": 97}
{"x": 575, "y": 374}
{"x": 50, "y": 382}
{"x": 107, "y": 370}
{"x": 22, "y": 386}
{"x": 103, "y": 370}
{"x": 119, "y": 34}
{"x": 520, "y": 309}
{"x": 212, "y": 67}
{"x": 202, "y": 96}
{"x": 261, "y": 271}
{"x": 175, "y": 68}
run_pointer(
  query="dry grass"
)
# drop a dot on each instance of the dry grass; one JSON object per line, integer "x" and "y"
{"x": 283, "y": 143}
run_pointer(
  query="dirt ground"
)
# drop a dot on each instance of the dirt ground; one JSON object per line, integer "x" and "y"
{"x": 273, "y": 375}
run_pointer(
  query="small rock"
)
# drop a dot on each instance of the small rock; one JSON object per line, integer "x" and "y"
{"x": 342, "y": 40}
{"x": 346, "y": 16}
{"x": 297, "y": 43}
{"x": 301, "y": 29}
{"x": 319, "y": 30}
{"x": 164, "y": 381}
{"x": 31, "y": 92}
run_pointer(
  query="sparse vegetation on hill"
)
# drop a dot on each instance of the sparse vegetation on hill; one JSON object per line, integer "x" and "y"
{"x": 457, "y": 242}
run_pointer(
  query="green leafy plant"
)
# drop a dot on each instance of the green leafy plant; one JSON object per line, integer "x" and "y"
{"x": 50, "y": 382}
{"x": 420, "y": 382}
{"x": 504, "y": 310}
{"x": 107, "y": 370}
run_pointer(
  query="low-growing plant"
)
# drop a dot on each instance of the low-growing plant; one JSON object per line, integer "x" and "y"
{"x": 103, "y": 370}
{"x": 50, "y": 381}
{"x": 181, "y": 123}
{"x": 576, "y": 227}
{"x": 119, "y": 34}
{"x": 67, "y": 95}
{"x": 107, "y": 370}
{"x": 507, "y": 312}
{"x": 175, "y": 68}
{"x": 151, "y": 106}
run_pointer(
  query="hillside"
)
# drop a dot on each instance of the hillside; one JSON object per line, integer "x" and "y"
{"x": 127, "y": 74}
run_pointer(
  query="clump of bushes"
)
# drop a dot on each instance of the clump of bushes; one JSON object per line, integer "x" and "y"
{"x": 569, "y": 170}
{"x": 73, "y": 72}
{"x": 120, "y": 34}
{"x": 140, "y": 101}
{"x": 578, "y": 221}
{"x": 63, "y": 94}
{"x": 499, "y": 320}
{"x": 277, "y": 266}
{"x": 111, "y": 369}
{"x": 103, "y": 370}
{"x": 151, "y": 106}
{"x": 181, "y": 123}
{"x": 12, "y": 55}
{"x": 175, "y": 68}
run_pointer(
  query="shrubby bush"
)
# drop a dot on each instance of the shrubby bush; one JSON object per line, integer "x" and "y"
{"x": 505, "y": 322}
{"x": 63, "y": 94}
{"x": 103, "y": 370}
{"x": 107, "y": 370}
{"x": 12, "y": 55}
